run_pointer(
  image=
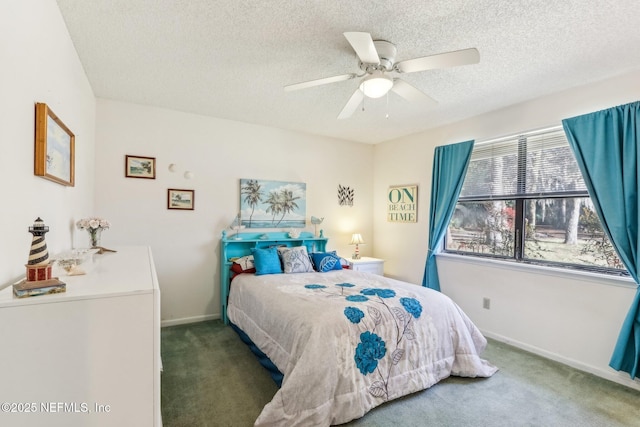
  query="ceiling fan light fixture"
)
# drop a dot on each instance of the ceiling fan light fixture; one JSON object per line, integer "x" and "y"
{"x": 376, "y": 85}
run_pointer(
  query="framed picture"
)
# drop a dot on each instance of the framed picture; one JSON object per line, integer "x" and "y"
{"x": 272, "y": 204}
{"x": 180, "y": 199}
{"x": 140, "y": 167}
{"x": 54, "y": 148}
{"x": 402, "y": 203}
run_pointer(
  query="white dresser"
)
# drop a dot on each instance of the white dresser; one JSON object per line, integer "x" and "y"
{"x": 368, "y": 264}
{"x": 89, "y": 356}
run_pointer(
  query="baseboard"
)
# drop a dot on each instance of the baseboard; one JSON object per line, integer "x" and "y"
{"x": 616, "y": 377}
{"x": 185, "y": 320}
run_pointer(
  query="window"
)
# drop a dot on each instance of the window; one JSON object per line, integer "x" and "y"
{"x": 524, "y": 198}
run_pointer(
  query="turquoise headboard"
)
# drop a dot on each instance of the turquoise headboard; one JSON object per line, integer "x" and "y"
{"x": 239, "y": 245}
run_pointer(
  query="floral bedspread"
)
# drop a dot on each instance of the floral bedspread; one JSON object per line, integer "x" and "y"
{"x": 348, "y": 341}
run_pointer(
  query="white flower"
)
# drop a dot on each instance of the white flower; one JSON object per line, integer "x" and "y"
{"x": 93, "y": 223}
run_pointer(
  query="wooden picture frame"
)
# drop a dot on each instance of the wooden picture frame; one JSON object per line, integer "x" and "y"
{"x": 180, "y": 199}
{"x": 139, "y": 167}
{"x": 54, "y": 157}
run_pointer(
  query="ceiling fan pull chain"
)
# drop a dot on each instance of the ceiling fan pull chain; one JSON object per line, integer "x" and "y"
{"x": 364, "y": 97}
{"x": 387, "y": 115}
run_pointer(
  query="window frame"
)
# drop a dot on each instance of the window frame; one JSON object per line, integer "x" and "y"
{"x": 520, "y": 198}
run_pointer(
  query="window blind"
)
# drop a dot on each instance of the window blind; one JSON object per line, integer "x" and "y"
{"x": 530, "y": 165}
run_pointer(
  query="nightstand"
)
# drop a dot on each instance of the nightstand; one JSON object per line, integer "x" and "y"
{"x": 370, "y": 265}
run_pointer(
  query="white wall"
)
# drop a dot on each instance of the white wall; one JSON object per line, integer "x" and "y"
{"x": 39, "y": 64}
{"x": 219, "y": 152}
{"x": 574, "y": 319}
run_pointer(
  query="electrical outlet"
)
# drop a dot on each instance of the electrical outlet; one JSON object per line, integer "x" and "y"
{"x": 486, "y": 303}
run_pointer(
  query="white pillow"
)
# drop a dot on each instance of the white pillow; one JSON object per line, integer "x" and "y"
{"x": 295, "y": 260}
{"x": 246, "y": 262}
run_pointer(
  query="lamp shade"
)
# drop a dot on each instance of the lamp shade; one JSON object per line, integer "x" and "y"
{"x": 376, "y": 85}
{"x": 356, "y": 239}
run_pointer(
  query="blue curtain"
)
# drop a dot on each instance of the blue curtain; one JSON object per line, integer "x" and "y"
{"x": 450, "y": 164}
{"x": 606, "y": 147}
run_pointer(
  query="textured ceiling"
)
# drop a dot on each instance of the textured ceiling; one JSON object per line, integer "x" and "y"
{"x": 231, "y": 59}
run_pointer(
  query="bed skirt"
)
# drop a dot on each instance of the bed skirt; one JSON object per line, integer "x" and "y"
{"x": 262, "y": 358}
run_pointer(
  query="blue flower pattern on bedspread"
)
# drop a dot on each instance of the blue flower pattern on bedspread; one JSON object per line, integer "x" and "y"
{"x": 382, "y": 293}
{"x": 369, "y": 351}
{"x": 372, "y": 347}
{"x": 412, "y": 305}
{"x": 345, "y": 285}
{"x": 357, "y": 298}
{"x": 354, "y": 314}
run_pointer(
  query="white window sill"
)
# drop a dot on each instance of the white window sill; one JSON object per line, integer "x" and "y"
{"x": 605, "y": 279}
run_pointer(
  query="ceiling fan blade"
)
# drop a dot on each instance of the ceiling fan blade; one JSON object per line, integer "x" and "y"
{"x": 362, "y": 43}
{"x": 352, "y": 104}
{"x": 411, "y": 93}
{"x": 319, "y": 82}
{"x": 441, "y": 60}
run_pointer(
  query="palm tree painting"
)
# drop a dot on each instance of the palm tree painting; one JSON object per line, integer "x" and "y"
{"x": 252, "y": 192}
{"x": 273, "y": 204}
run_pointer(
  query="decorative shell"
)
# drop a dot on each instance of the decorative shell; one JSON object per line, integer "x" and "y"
{"x": 293, "y": 234}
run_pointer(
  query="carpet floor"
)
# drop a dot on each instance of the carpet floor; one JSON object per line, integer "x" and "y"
{"x": 210, "y": 378}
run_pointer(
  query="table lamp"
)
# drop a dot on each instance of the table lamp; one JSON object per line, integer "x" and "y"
{"x": 356, "y": 239}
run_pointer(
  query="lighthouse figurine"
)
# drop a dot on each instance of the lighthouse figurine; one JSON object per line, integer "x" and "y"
{"x": 38, "y": 266}
{"x": 38, "y": 280}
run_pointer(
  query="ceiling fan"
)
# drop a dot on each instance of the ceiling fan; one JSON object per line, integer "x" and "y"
{"x": 378, "y": 67}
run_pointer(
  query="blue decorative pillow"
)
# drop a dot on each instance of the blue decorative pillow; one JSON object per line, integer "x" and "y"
{"x": 326, "y": 261}
{"x": 266, "y": 261}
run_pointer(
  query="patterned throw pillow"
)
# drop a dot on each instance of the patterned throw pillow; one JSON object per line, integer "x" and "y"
{"x": 326, "y": 261}
{"x": 245, "y": 262}
{"x": 295, "y": 260}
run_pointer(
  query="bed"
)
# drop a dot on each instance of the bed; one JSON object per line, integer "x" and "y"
{"x": 345, "y": 341}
